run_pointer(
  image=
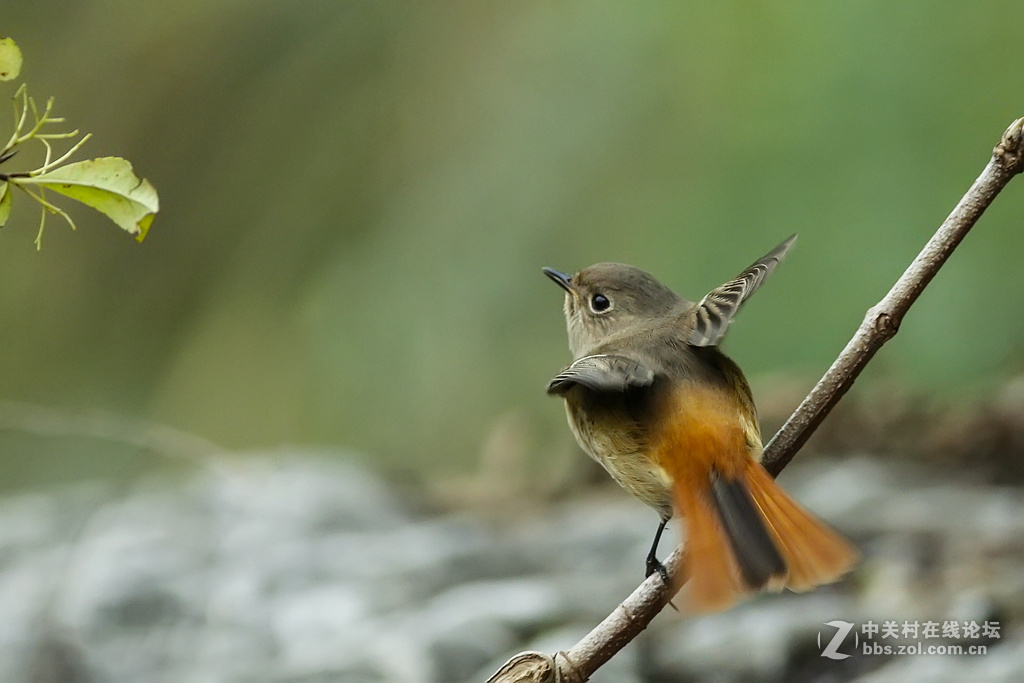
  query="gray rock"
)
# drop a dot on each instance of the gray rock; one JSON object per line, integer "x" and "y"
{"x": 287, "y": 567}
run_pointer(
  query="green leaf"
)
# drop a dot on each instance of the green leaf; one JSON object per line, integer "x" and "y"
{"x": 108, "y": 185}
{"x": 10, "y": 60}
{"x": 5, "y": 203}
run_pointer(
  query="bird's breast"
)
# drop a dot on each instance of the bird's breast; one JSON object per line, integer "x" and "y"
{"x": 620, "y": 443}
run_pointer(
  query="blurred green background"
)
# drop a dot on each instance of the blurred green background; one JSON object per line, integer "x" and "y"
{"x": 357, "y": 198}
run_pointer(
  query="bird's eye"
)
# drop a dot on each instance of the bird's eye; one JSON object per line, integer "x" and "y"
{"x": 599, "y": 303}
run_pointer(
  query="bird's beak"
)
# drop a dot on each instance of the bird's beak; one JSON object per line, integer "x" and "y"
{"x": 561, "y": 279}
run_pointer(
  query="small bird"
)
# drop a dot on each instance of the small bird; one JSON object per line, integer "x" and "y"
{"x": 672, "y": 419}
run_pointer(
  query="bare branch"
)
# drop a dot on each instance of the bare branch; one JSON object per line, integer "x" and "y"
{"x": 880, "y": 324}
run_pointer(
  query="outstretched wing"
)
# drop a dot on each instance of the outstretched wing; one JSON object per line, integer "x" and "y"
{"x": 603, "y": 373}
{"x": 716, "y": 310}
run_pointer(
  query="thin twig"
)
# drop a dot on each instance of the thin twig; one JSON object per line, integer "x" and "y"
{"x": 880, "y": 324}
{"x": 155, "y": 437}
{"x": 19, "y": 121}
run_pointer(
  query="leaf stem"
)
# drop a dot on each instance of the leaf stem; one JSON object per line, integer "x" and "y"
{"x": 64, "y": 157}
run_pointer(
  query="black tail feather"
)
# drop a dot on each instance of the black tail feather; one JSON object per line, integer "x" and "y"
{"x": 753, "y": 547}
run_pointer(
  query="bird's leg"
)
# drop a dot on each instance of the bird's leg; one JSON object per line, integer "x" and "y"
{"x": 653, "y": 564}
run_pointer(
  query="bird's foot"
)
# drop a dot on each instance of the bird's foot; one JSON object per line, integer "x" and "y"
{"x": 654, "y": 565}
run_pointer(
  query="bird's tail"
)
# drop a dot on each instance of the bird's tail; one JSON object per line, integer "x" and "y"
{"x": 743, "y": 532}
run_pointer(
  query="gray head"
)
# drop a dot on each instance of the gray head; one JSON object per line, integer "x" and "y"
{"x": 608, "y": 298}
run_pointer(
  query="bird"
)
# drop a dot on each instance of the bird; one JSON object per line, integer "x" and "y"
{"x": 650, "y": 397}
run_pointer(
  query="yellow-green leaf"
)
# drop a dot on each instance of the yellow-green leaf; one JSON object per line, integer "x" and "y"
{"x": 5, "y": 203}
{"x": 108, "y": 185}
{"x": 10, "y": 60}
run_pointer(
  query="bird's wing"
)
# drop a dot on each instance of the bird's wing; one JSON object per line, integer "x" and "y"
{"x": 603, "y": 373}
{"x": 716, "y": 310}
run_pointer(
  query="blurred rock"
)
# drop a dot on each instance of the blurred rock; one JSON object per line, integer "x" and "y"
{"x": 293, "y": 566}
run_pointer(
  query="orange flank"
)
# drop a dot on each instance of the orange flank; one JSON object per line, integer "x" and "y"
{"x": 743, "y": 532}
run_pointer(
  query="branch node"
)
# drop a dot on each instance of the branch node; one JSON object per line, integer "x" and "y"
{"x": 1010, "y": 150}
{"x": 566, "y": 671}
{"x": 528, "y": 667}
{"x": 884, "y": 324}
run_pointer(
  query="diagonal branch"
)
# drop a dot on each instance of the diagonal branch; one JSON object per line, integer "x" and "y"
{"x": 883, "y": 319}
{"x": 880, "y": 325}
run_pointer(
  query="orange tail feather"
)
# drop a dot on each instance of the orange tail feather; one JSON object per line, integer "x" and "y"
{"x": 813, "y": 552}
{"x": 743, "y": 532}
{"x": 710, "y": 570}
{"x": 719, "y": 560}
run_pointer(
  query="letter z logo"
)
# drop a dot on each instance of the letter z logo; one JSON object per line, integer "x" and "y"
{"x": 832, "y": 649}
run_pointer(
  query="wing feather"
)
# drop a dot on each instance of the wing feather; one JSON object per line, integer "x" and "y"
{"x": 716, "y": 310}
{"x": 603, "y": 373}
